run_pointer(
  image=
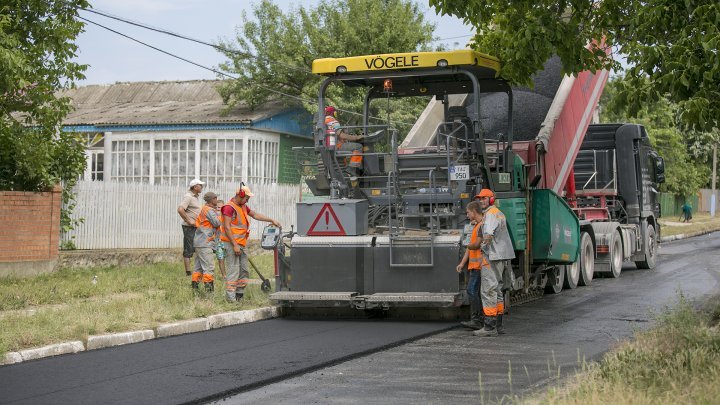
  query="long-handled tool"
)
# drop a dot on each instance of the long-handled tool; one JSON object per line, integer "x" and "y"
{"x": 265, "y": 286}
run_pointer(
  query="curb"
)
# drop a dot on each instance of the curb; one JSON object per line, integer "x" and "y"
{"x": 163, "y": 330}
{"x": 117, "y": 339}
{"x": 182, "y": 327}
{"x": 686, "y": 235}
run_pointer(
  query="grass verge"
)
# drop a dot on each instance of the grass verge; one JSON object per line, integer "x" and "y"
{"x": 66, "y": 305}
{"x": 701, "y": 222}
{"x": 677, "y": 361}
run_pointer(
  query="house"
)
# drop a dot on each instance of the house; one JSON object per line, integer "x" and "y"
{"x": 170, "y": 132}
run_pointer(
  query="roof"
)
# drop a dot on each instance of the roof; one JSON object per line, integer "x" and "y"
{"x": 157, "y": 103}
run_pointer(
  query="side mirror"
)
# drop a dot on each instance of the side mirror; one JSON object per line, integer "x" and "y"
{"x": 659, "y": 169}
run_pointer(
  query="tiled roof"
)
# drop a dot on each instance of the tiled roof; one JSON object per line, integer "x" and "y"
{"x": 157, "y": 103}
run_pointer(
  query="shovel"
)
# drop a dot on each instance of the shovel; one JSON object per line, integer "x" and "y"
{"x": 265, "y": 286}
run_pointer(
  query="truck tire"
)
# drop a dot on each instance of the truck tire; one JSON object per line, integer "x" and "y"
{"x": 651, "y": 250}
{"x": 587, "y": 259}
{"x": 572, "y": 274}
{"x": 555, "y": 280}
{"x": 616, "y": 255}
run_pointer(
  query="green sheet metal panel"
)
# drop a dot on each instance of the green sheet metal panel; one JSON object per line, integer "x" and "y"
{"x": 516, "y": 216}
{"x": 555, "y": 229}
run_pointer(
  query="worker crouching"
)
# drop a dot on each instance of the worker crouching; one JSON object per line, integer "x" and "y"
{"x": 234, "y": 234}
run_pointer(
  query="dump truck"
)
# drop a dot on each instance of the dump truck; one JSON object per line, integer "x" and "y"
{"x": 387, "y": 241}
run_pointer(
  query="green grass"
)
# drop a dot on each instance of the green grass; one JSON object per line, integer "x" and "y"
{"x": 65, "y": 305}
{"x": 677, "y": 361}
{"x": 702, "y": 221}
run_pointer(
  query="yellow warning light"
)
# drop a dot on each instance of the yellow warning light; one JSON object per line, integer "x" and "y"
{"x": 376, "y": 192}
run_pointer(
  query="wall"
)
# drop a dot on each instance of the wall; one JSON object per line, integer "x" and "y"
{"x": 288, "y": 165}
{"x": 144, "y": 216}
{"x": 30, "y": 232}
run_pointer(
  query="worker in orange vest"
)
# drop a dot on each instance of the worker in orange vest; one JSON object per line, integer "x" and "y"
{"x": 345, "y": 140}
{"x": 476, "y": 264}
{"x": 206, "y": 225}
{"x": 498, "y": 247}
{"x": 235, "y": 232}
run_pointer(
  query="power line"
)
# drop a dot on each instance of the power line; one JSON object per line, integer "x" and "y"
{"x": 221, "y": 73}
{"x": 187, "y": 38}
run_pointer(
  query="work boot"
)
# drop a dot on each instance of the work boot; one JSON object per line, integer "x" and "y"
{"x": 499, "y": 326}
{"x": 229, "y": 296}
{"x": 238, "y": 296}
{"x": 195, "y": 285}
{"x": 475, "y": 322}
{"x": 490, "y": 328}
{"x": 209, "y": 286}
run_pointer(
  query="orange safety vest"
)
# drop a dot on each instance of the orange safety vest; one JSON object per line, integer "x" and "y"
{"x": 204, "y": 225}
{"x": 239, "y": 226}
{"x": 477, "y": 260}
{"x": 329, "y": 120}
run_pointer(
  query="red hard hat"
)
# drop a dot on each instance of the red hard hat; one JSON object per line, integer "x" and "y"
{"x": 486, "y": 192}
{"x": 329, "y": 110}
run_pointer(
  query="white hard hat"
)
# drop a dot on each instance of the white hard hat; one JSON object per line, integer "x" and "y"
{"x": 195, "y": 182}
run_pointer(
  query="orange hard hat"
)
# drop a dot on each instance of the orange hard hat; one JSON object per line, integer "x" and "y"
{"x": 486, "y": 192}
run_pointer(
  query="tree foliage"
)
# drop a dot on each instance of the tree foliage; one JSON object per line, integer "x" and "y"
{"x": 274, "y": 50}
{"x": 670, "y": 45}
{"x": 36, "y": 61}
{"x": 686, "y": 171}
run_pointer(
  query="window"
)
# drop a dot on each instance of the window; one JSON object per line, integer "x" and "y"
{"x": 95, "y": 156}
{"x": 174, "y": 161}
{"x": 262, "y": 161}
{"x": 131, "y": 160}
{"x": 221, "y": 160}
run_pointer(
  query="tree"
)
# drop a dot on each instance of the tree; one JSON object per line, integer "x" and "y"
{"x": 36, "y": 52}
{"x": 685, "y": 172}
{"x": 274, "y": 50}
{"x": 670, "y": 45}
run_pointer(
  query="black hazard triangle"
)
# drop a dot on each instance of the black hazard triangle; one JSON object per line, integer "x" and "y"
{"x": 326, "y": 223}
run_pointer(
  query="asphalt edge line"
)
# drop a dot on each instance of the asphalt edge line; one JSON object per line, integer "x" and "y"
{"x": 329, "y": 363}
{"x": 95, "y": 342}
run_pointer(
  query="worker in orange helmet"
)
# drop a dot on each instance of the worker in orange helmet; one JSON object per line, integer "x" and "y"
{"x": 498, "y": 248}
{"x": 346, "y": 141}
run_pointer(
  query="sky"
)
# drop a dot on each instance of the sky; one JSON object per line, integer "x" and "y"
{"x": 113, "y": 58}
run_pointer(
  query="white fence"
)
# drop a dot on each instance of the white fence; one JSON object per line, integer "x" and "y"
{"x": 144, "y": 216}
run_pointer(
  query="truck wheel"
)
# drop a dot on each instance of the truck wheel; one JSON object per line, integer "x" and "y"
{"x": 587, "y": 259}
{"x": 651, "y": 250}
{"x": 616, "y": 255}
{"x": 555, "y": 280}
{"x": 572, "y": 274}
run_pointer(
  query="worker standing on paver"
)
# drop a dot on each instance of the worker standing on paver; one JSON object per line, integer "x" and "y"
{"x": 476, "y": 263}
{"x": 206, "y": 226}
{"x": 235, "y": 232}
{"x": 498, "y": 247}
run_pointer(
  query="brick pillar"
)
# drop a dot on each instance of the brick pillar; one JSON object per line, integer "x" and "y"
{"x": 30, "y": 236}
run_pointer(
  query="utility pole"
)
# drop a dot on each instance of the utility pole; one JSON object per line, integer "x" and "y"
{"x": 712, "y": 197}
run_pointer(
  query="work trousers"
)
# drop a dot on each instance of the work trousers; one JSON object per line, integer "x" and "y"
{"x": 473, "y": 291}
{"x": 236, "y": 267}
{"x": 356, "y": 149}
{"x": 491, "y": 287}
{"x": 204, "y": 265}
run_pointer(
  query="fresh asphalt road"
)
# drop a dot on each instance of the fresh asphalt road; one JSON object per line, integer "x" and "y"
{"x": 546, "y": 338}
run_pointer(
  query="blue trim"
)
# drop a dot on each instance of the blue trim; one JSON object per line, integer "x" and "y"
{"x": 294, "y": 122}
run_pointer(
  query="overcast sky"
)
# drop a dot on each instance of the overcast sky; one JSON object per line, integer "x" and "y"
{"x": 113, "y": 58}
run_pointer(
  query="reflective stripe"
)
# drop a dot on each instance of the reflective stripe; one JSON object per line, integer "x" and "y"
{"x": 490, "y": 311}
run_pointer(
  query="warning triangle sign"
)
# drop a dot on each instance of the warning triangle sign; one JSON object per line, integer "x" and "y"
{"x": 326, "y": 223}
